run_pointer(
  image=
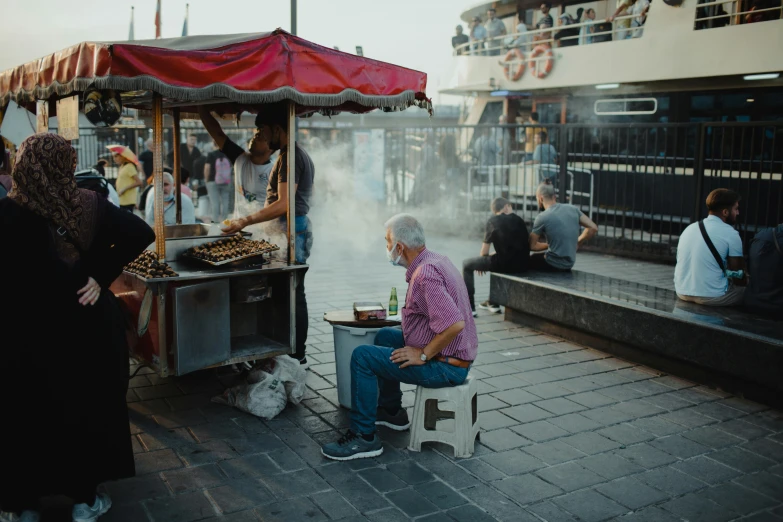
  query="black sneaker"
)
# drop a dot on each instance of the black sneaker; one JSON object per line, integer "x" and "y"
{"x": 397, "y": 422}
{"x": 352, "y": 446}
{"x": 302, "y": 362}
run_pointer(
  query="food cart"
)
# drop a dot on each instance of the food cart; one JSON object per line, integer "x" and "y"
{"x": 211, "y": 315}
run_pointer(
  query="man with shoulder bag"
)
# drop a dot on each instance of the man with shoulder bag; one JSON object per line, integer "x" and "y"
{"x": 710, "y": 267}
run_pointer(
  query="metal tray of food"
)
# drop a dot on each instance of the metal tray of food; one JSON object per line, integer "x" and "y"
{"x": 233, "y": 259}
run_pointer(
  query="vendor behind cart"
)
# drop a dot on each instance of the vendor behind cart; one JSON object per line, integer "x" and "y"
{"x": 271, "y": 134}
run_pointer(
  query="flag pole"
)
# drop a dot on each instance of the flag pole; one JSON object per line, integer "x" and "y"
{"x": 131, "y": 35}
{"x": 158, "y": 21}
{"x": 185, "y": 24}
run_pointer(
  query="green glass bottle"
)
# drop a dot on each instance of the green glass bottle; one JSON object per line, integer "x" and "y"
{"x": 393, "y": 305}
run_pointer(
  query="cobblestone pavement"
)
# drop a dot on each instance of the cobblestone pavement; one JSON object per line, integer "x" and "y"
{"x": 568, "y": 433}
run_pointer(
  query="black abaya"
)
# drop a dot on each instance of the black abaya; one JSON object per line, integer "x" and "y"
{"x": 63, "y": 366}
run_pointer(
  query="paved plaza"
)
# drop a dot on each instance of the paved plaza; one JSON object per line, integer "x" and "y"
{"x": 568, "y": 433}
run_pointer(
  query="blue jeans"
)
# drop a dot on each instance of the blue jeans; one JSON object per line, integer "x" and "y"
{"x": 303, "y": 228}
{"x": 375, "y": 380}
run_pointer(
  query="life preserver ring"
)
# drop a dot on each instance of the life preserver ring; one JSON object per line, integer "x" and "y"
{"x": 540, "y": 54}
{"x": 514, "y": 71}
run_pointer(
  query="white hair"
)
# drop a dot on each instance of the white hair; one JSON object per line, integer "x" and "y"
{"x": 168, "y": 177}
{"x": 407, "y": 230}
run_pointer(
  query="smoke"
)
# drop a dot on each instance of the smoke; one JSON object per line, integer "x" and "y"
{"x": 360, "y": 183}
{"x": 347, "y": 219}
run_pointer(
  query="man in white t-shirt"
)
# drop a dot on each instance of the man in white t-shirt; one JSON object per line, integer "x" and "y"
{"x": 697, "y": 277}
{"x": 251, "y": 169}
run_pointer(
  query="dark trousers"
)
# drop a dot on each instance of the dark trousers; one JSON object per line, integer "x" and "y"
{"x": 79, "y": 492}
{"x": 470, "y": 265}
{"x": 538, "y": 262}
{"x": 301, "y": 315}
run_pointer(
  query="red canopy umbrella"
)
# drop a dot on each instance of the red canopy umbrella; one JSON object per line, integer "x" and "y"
{"x": 229, "y": 72}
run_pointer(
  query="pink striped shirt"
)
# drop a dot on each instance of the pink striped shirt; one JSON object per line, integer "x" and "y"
{"x": 436, "y": 299}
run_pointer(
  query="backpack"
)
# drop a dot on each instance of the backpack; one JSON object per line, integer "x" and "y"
{"x": 223, "y": 171}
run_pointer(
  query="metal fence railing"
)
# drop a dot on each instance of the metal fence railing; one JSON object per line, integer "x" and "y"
{"x": 579, "y": 33}
{"x": 641, "y": 183}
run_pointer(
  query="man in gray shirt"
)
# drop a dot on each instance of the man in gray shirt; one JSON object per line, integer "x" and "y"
{"x": 495, "y": 29}
{"x": 560, "y": 224}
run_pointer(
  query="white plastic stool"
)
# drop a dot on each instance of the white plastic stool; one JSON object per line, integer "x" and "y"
{"x": 463, "y": 409}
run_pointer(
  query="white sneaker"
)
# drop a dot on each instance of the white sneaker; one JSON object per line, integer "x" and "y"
{"x": 493, "y": 308}
{"x": 475, "y": 313}
{"x": 85, "y": 513}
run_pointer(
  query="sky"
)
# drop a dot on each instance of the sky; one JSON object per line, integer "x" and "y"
{"x": 412, "y": 33}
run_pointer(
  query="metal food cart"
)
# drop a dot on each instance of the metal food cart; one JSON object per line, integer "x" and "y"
{"x": 205, "y": 315}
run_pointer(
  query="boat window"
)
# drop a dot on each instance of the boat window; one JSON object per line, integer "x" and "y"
{"x": 702, "y": 102}
{"x": 625, "y": 107}
{"x": 720, "y": 13}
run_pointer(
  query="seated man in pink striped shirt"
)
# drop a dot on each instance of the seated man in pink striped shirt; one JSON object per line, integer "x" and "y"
{"x": 435, "y": 348}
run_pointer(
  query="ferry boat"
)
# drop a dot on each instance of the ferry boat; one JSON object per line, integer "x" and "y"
{"x": 685, "y": 61}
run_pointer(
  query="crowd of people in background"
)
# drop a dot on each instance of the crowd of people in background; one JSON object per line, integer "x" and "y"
{"x": 491, "y": 37}
{"x": 206, "y": 173}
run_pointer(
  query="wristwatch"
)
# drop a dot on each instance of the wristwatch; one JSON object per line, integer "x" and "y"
{"x": 423, "y": 356}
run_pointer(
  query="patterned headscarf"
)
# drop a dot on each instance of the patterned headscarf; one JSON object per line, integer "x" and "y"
{"x": 43, "y": 182}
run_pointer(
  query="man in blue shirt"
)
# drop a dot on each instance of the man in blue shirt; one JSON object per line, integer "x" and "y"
{"x": 478, "y": 35}
{"x": 697, "y": 277}
{"x": 544, "y": 154}
{"x": 169, "y": 205}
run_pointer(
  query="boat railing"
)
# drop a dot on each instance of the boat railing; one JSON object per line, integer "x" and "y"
{"x": 528, "y": 40}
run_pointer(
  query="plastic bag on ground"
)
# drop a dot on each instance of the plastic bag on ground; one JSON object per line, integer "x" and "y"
{"x": 269, "y": 386}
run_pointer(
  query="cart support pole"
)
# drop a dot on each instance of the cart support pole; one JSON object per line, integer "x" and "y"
{"x": 157, "y": 173}
{"x": 163, "y": 350}
{"x": 177, "y": 166}
{"x": 291, "y": 220}
{"x": 291, "y": 177}
{"x": 160, "y": 234}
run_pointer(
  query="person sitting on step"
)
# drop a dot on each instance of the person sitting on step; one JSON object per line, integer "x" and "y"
{"x": 709, "y": 255}
{"x": 560, "y": 224}
{"x": 507, "y": 232}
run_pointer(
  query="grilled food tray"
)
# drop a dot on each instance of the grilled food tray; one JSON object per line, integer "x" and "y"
{"x": 233, "y": 259}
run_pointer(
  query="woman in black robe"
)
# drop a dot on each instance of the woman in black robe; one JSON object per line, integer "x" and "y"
{"x": 64, "y": 358}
